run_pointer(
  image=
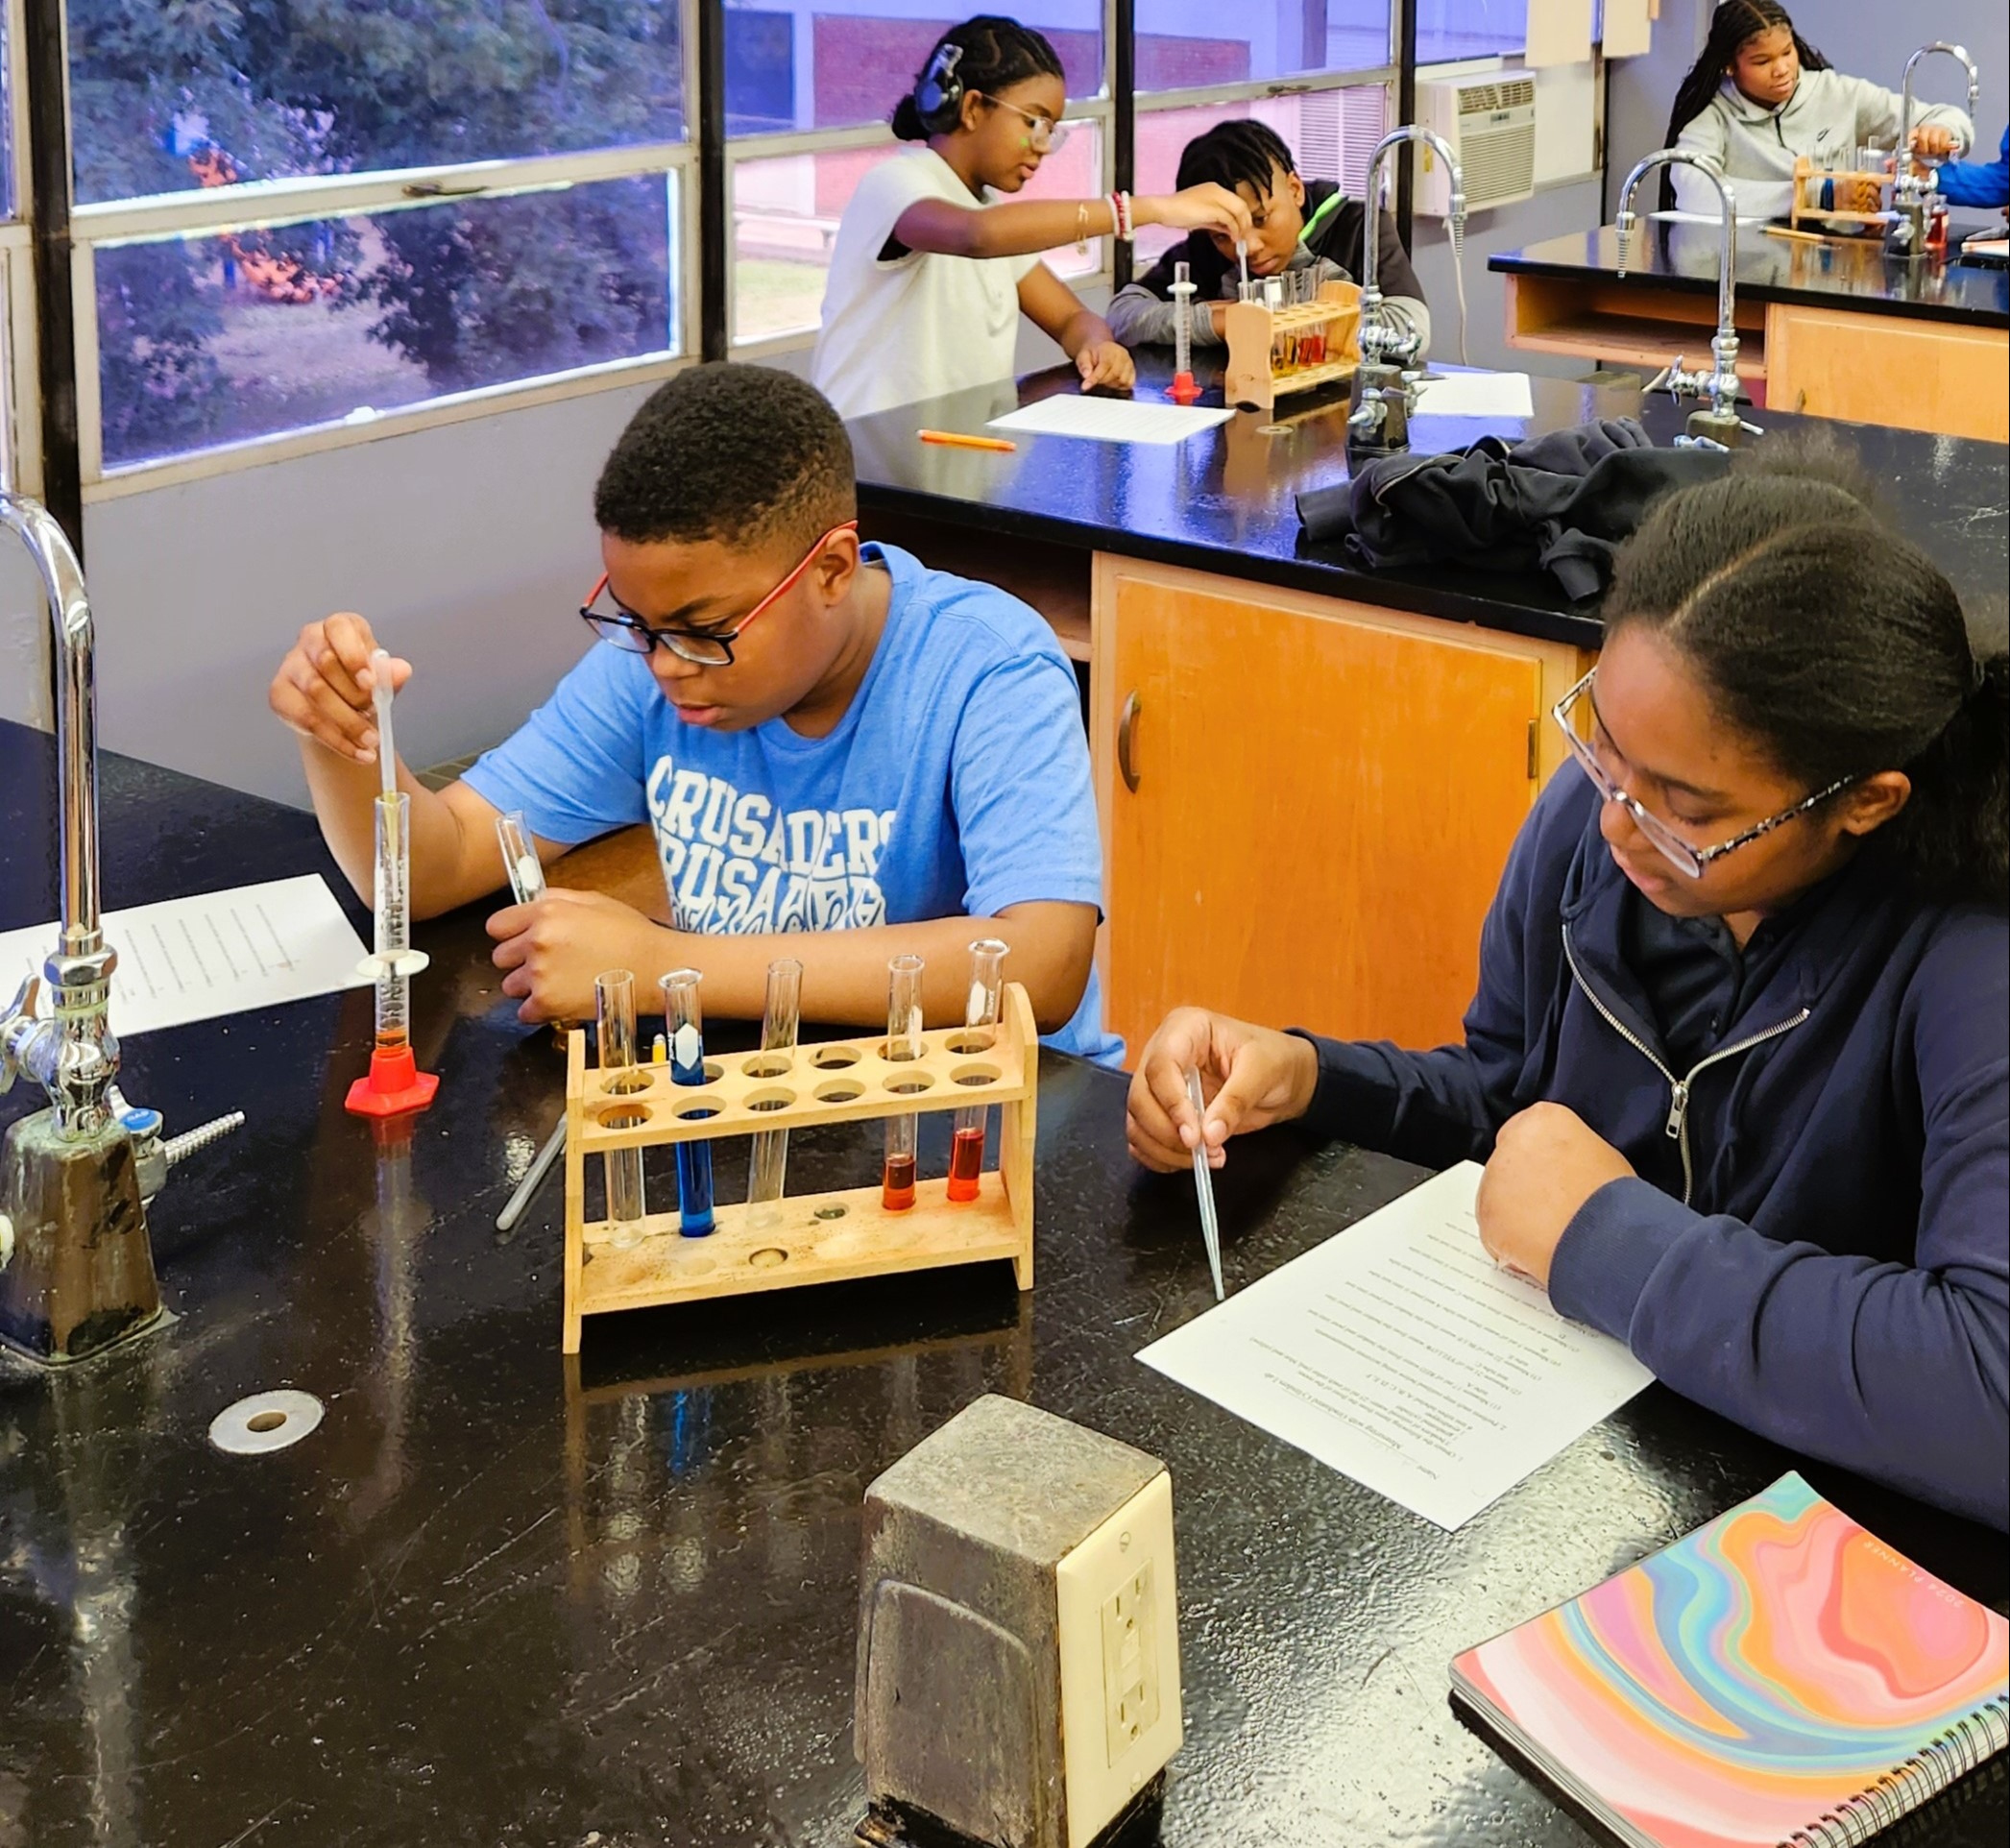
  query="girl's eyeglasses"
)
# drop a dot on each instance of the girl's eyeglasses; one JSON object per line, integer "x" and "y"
{"x": 1672, "y": 847}
{"x": 1043, "y": 133}
{"x": 623, "y": 629}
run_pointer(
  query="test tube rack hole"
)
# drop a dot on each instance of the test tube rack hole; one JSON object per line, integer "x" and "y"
{"x": 802, "y": 1238}
{"x": 1255, "y": 379}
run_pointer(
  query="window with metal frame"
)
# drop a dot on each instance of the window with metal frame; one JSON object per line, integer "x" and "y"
{"x": 304, "y": 226}
{"x": 1448, "y": 31}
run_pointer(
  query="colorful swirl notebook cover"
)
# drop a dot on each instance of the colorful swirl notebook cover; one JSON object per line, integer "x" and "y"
{"x": 1776, "y": 1679}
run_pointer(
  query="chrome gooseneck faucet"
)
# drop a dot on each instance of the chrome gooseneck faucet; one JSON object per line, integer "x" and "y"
{"x": 1720, "y": 423}
{"x": 75, "y": 1267}
{"x": 1385, "y": 382}
{"x": 1912, "y": 194}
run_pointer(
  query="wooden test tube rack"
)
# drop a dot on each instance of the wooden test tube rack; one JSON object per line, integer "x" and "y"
{"x": 1252, "y": 330}
{"x": 803, "y": 1238}
{"x": 1808, "y": 178}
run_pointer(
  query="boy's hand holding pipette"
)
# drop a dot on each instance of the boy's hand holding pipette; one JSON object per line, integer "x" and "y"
{"x": 325, "y": 687}
{"x": 1251, "y": 1077}
{"x": 551, "y": 951}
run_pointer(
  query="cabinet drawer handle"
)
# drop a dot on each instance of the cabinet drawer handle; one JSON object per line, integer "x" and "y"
{"x": 1127, "y": 731}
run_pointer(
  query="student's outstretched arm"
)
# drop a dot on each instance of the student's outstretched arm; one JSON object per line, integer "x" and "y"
{"x": 1029, "y": 226}
{"x": 1899, "y": 1371}
{"x": 1938, "y": 129}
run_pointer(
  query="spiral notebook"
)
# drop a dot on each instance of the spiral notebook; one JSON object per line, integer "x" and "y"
{"x": 1779, "y": 1676}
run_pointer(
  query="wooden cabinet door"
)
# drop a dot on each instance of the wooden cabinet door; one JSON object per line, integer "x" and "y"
{"x": 1872, "y": 369}
{"x": 1323, "y": 806}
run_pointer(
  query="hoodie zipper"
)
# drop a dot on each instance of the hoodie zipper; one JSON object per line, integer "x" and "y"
{"x": 1678, "y": 1125}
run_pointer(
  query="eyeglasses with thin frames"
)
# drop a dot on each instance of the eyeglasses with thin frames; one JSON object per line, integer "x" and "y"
{"x": 1043, "y": 133}
{"x": 623, "y": 629}
{"x": 1672, "y": 847}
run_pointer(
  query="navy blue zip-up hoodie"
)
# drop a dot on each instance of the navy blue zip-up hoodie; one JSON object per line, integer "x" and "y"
{"x": 1819, "y": 1245}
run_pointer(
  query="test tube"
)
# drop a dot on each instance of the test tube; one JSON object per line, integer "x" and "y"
{"x": 392, "y": 936}
{"x": 903, "y": 1042}
{"x": 780, "y": 1020}
{"x": 1182, "y": 319}
{"x": 613, "y": 1017}
{"x": 966, "y": 1148}
{"x": 683, "y": 1020}
{"x": 519, "y": 856}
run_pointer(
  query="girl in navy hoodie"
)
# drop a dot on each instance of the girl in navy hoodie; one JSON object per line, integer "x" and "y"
{"x": 1739, "y": 1062}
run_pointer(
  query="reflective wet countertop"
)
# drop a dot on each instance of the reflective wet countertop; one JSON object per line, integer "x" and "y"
{"x": 1224, "y": 500}
{"x": 493, "y": 1599}
{"x": 1836, "y": 272}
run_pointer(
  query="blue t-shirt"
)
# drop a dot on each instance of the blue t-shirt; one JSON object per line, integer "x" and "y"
{"x": 956, "y": 785}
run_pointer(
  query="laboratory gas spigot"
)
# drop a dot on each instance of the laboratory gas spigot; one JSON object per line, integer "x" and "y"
{"x": 1386, "y": 381}
{"x": 1913, "y": 198}
{"x": 76, "y": 1265}
{"x": 1720, "y": 421}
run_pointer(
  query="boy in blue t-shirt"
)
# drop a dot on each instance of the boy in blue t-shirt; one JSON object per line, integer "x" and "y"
{"x": 842, "y": 755}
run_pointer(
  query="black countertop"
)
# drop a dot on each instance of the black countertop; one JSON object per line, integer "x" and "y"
{"x": 485, "y": 1604}
{"x": 1837, "y": 273}
{"x": 1224, "y": 500}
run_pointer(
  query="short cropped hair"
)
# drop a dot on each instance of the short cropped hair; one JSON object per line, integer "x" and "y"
{"x": 740, "y": 453}
{"x": 1233, "y": 154}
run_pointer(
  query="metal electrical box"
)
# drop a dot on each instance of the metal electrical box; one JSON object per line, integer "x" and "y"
{"x": 1018, "y": 1636}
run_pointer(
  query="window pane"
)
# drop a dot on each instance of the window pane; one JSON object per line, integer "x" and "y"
{"x": 1331, "y": 133}
{"x": 217, "y": 339}
{"x": 1183, "y": 44}
{"x": 838, "y": 64}
{"x": 166, "y": 96}
{"x": 1449, "y": 30}
{"x": 786, "y": 209}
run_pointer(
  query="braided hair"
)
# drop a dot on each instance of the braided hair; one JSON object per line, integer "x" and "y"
{"x": 1232, "y": 154}
{"x": 1840, "y": 651}
{"x": 992, "y": 54}
{"x": 1733, "y": 23}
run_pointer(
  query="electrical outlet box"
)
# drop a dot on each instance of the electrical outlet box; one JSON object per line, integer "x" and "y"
{"x": 1018, "y": 1639}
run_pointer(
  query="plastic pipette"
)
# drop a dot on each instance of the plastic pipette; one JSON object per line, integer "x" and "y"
{"x": 380, "y": 699}
{"x": 1204, "y": 1186}
{"x": 1241, "y": 258}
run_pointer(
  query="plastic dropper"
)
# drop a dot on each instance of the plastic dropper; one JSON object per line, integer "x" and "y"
{"x": 1241, "y": 258}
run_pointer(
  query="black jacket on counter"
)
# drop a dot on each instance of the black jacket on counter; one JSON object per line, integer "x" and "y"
{"x": 1560, "y": 503}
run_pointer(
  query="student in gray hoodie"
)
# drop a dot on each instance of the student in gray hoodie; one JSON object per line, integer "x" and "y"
{"x": 1761, "y": 96}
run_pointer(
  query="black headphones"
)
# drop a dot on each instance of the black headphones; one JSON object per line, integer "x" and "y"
{"x": 938, "y": 92}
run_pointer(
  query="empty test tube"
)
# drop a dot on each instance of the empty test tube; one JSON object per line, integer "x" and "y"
{"x": 613, "y": 1017}
{"x": 780, "y": 1021}
{"x": 966, "y": 1148}
{"x": 903, "y": 1027}
{"x": 519, "y": 856}
{"x": 683, "y": 1021}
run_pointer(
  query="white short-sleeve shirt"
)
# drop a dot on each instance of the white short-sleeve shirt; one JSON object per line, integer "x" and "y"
{"x": 918, "y": 325}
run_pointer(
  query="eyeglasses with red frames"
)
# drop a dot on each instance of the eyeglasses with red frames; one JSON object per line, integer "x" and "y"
{"x": 623, "y": 629}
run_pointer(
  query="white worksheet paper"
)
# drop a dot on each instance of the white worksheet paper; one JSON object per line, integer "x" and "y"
{"x": 1477, "y": 394}
{"x": 223, "y": 953}
{"x": 1399, "y": 1354}
{"x": 1110, "y": 420}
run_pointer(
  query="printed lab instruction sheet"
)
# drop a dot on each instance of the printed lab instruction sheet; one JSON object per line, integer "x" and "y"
{"x": 222, "y": 953}
{"x": 1399, "y": 1354}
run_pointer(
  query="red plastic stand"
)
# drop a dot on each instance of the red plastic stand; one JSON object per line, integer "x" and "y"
{"x": 1182, "y": 390}
{"x": 395, "y": 1086}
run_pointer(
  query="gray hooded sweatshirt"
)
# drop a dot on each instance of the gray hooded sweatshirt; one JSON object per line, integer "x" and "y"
{"x": 1828, "y": 118}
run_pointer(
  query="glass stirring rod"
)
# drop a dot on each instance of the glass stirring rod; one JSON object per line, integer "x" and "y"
{"x": 1204, "y": 1186}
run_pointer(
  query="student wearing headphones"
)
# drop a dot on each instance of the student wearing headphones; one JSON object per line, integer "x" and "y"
{"x": 933, "y": 268}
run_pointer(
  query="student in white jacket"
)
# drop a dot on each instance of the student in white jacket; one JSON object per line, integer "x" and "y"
{"x": 1761, "y": 96}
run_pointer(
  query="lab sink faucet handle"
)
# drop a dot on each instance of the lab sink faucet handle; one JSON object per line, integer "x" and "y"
{"x": 1721, "y": 422}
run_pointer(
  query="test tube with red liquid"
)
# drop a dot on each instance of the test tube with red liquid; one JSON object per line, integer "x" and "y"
{"x": 966, "y": 1148}
{"x": 903, "y": 1028}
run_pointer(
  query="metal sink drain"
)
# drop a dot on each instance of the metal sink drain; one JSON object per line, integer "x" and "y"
{"x": 265, "y": 1421}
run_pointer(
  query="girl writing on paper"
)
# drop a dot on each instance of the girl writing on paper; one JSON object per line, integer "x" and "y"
{"x": 1739, "y": 1061}
{"x": 933, "y": 262}
{"x": 1761, "y": 96}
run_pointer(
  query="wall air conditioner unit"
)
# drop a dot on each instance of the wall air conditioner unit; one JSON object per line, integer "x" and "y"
{"x": 1489, "y": 121}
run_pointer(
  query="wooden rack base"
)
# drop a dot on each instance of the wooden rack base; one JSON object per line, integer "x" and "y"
{"x": 802, "y": 1238}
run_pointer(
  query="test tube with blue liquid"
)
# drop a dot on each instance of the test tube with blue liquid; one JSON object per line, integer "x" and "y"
{"x": 684, "y": 1025}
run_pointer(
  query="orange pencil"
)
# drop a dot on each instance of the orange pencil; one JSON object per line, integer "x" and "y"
{"x": 956, "y": 440}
